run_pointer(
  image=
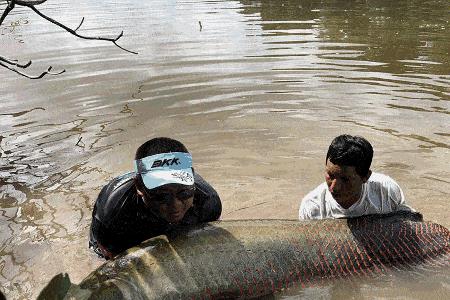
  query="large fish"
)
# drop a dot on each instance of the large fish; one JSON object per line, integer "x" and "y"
{"x": 251, "y": 258}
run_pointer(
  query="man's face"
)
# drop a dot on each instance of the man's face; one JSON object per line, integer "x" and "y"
{"x": 344, "y": 183}
{"x": 171, "y": 201}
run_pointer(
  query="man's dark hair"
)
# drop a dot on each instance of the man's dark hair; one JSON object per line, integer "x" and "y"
{"x": 347, "y": 150}
{"x": 159, "y": 145}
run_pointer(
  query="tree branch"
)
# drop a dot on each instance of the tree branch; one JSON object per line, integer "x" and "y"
{"x": 14, "y": 62}
{"x": 28, "y": 2}
{"x": 7, "y": 10}
{"x": 30, "y": 76}
{"x": 74, "y": 32}
{"x": 10, "y": 64}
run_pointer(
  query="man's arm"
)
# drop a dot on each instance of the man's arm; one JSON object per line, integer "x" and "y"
{"x": 308, "y": 210}
{"x": 310, "y": 205}
{"x": 103, "y": 238}
{"x": 303, "y": 212}
{"x": 106, "y": 253}
{"x": 99, "y": 239}
{"x": 211, "y": 206}
{"x": 397, "y": 197}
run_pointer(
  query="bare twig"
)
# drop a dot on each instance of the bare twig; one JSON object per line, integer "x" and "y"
{"x": 74, "y": 32}
{"x": 7, "y": 10}
{"x": 80, "y": 142}
{"x": 10, "y": 64}
{"x": 81, "y": 23}
{"x": 29, "y": 76}
{"x": 28, "y": 2}
{"x": 14, "y": 62}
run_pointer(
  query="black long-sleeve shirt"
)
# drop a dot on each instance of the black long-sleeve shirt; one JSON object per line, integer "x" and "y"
{"x": 121, "y": 220}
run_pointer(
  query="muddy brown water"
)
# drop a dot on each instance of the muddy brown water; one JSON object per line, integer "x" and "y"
{"x": 255, "y": 89}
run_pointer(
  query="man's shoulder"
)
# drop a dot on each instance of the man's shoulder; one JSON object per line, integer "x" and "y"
{"x": 379, "y": 177}
{"x": 113, "y": 197}
{"x": 382, "y": 180}
{"x": 203, "y": 188}
{"x": 385, "y": 193}
{"x": 206, "y": 200}
{"x": 313, "y": 204}
{"x": 317, "y": 194}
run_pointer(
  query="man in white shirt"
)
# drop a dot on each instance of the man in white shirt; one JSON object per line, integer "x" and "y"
{"x": 351, "y": 189}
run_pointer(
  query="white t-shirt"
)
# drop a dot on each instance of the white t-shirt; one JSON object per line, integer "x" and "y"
{"x": 380, "y": 195}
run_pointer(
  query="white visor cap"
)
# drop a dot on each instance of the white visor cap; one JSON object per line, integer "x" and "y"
{"x": 165, "y": 168}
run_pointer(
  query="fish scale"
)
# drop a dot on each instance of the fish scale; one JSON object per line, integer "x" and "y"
{"x": 246, "y": 259}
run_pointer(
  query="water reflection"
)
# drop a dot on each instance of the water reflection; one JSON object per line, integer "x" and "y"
{"x": 406, "y": 37}
{"x": 377, "y": 57}
{"x": 426, "y": 142}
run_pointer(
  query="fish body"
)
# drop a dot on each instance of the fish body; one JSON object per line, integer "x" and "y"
{"x": 248, "y": 259}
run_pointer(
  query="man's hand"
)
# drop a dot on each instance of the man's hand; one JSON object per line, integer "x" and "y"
{"x": 107, "y": 254}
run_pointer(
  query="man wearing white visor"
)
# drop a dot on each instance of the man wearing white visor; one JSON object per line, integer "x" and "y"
{"x": 163, "y": 193}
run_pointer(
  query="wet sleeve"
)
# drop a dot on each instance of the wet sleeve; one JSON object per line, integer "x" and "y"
{"x": 309, "y": 206}
{"x": 100, "y": 235}
{"x": 396, "y": 197}
{"x": 99, "y": 205}
{"x": 212, "y": 208}
{"x": 104, "y": 215}
{"x": 97, "y": 228}
{"x": 304, "y": 212}
{"x": 211, "y": 204}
